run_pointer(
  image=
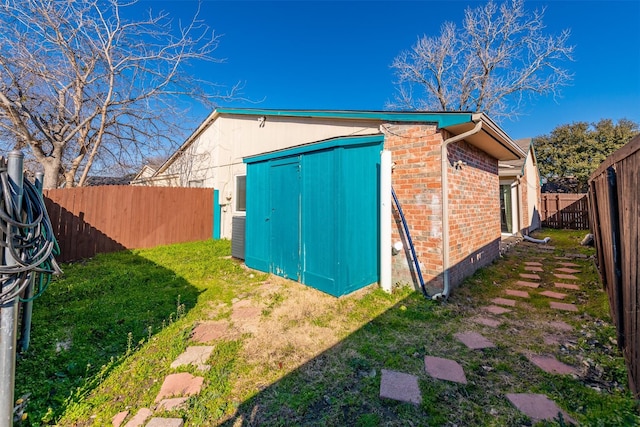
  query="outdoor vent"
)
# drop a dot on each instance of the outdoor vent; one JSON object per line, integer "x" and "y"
{"x": 237, "y": 237}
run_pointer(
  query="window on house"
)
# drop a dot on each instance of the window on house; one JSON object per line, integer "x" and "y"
{"x": 196, "y": 183}
{"x": 241, "y": 193}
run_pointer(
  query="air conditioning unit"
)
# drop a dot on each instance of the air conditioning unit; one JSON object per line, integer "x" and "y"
{"x": 237, "y": 236}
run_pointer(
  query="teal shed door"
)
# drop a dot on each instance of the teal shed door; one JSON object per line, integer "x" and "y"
{"x": 284, "y": 197}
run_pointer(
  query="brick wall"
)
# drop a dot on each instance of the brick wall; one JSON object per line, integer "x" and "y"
{"x": 474, "y": 211}
{"x": 525, "y": 221}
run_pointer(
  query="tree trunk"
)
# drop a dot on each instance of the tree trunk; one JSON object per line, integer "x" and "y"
{"x": 51, "y": 172}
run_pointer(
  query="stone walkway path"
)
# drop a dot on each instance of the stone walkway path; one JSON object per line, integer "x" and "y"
{"x": 402, "y": 387}
{"x": 179, "y": 386}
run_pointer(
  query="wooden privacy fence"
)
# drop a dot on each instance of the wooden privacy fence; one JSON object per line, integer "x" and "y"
{"x": 91, "y": 220}
{"x": 566, "y": 211}
{"x": 614, "y": 192}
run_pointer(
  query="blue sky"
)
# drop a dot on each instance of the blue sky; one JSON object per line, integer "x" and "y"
{"x": 337, "y": 54}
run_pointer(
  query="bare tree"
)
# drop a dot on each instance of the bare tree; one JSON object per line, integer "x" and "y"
{"x": 500, "y": 55}
{"x": 82, "y": 86}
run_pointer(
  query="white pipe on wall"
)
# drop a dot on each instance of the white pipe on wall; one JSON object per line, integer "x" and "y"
{"x": 385, "y": 220}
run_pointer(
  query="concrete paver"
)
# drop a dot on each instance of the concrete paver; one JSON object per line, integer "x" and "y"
{"x": 504, "y": 301}
{"x": 166, "y": 422}
{"x": 527, "y": 284}
{"x": 538, "y": 407}
{"x": 474, "y": 340}
{"x": 551, "y": 365}
{"x": 567, "y": 286}
{"x": 563, "y": 306}
{"x": 494, "y": 309}
{"x": 444, "y": 369}
{"x": 400, "y": 386}
{"x": 530, "y": 276}
{"x": 118, "y": 418}
{"x": 568, "y": 264}
{"x": 533, "y": 263}
{"x": 493, "y": 323}
{"x": 566, "y": 276}
{"x": 139, "y": 418}
{"x": 208, "y": 331}
{"x": 563, "y": 326}
{"x": 533, "y": 268}
{"x": 551, "y": 294}
{"x": 196, "y": 356}
{"x": 516, "y": 293}
{"x": 567, "y": 270}
{"x": 178, "y": 385}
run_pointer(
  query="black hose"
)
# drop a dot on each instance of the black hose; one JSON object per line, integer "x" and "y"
{"x": 28, "y": 239}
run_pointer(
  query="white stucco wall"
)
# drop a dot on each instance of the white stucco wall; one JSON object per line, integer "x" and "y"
{"x": 214, "y": 159}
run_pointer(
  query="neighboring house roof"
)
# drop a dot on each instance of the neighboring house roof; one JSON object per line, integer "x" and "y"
{"x": 108, "y": 180}
{"x": 146, "y": 172}
{"x": 490, "y": 137}
{"x": 516, "y": 167}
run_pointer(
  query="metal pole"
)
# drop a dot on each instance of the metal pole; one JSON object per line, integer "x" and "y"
{"x": 9, "y": 311}
{"x": 27, "y": 307}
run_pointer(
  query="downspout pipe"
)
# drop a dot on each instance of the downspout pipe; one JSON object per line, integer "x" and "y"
{"x": 445, "y": 207}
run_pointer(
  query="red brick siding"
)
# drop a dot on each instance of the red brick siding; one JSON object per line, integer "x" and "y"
{"x": 474, "y": 210}
{"x": 524, "y": 203}
{"x": 474, "y": 216}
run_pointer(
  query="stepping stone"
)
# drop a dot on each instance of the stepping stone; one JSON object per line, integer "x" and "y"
{"x": 538, "y": 407}
{"x": 493, "y": 323}
{"x": 533, "y": 263}
{"x": 118, "y": 418}
{"x": 533, "y": 268}
{"x": 551, "y": 365}
{"x": 563, "y": 306}
{"x": 444, "y": 369}
{"x": 561, "y": 257}
{"x": 566, "y": 276}
{"x": 178, "y": 385}
{"x": 504, "y": 301}
{"x": 514, "y": 293}
{"x": 400, "y": 386}
{"x": 568, "y": 264}
{"x": 494, "y": 309}
{"x": 551, "y": 339}
{"x": 566, "y": 286}
{"x": 563, "y": 326}
{"x": 208, "y": 331}
{"x": 529, "y": 276}
{"x": 474, "y": 340}
{"x": 246, "y": 316}
{"x": 551, "y": 294}
{"x": 527, "y": 284}
{"x": 196, "y": 356}
{"x": 173, "y": 404}
{"x": 567, "y": 270}
{"x": 139, "y": 418}
{"x": 166, "y": 422}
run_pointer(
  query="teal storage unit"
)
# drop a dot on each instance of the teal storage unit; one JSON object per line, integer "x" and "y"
{"x": 313, "y": 213}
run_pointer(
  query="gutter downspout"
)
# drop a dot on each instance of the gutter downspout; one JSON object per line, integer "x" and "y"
{"x": 445, "y": 207}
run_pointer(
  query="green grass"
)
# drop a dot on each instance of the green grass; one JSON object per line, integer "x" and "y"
{"x": 316, "y": 360}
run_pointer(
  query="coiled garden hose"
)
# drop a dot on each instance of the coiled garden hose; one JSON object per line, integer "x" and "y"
{"x": 28, "y": 239}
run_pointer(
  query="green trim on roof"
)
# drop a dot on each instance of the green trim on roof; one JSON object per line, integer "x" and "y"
{"x": 443, "y": 119}
{"x": 316, "y": 146}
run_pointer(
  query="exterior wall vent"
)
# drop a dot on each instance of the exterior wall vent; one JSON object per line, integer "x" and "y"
{"x": 237, "y": 236}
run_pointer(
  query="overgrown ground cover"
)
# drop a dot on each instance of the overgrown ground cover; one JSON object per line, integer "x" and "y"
{"x": 106, "y": 333}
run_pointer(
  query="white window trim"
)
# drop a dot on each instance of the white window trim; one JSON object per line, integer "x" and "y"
{"x": 235, "y": 200}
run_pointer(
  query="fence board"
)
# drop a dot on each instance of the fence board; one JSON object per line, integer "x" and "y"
{"x": 616, "y": 183}
{"x": 564, "y": 210}
{"x": 91, "y": 220}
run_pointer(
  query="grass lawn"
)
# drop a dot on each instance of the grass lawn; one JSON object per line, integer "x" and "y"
{"x": 105, "y": 333}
